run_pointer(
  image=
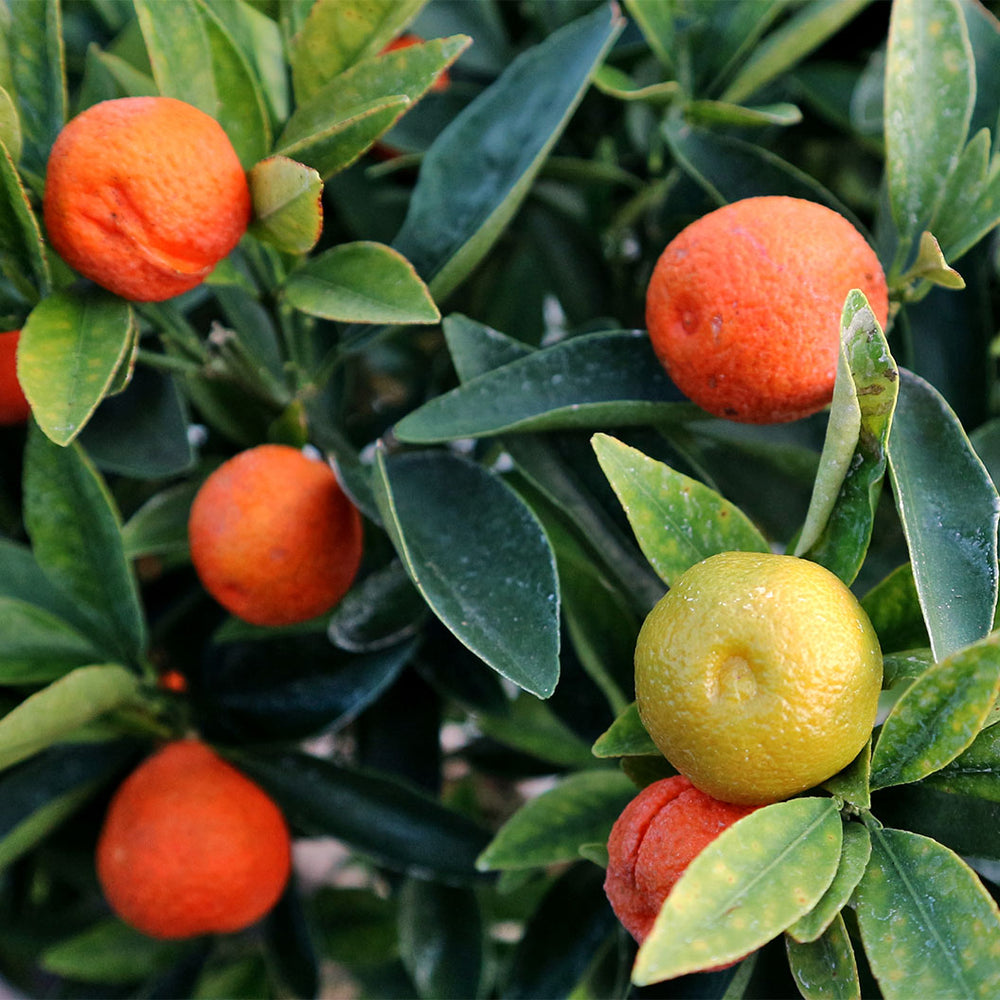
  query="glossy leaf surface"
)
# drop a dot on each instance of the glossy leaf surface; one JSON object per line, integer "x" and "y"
{"x": 825, "y": 968}
{"x": 287, "y": 205}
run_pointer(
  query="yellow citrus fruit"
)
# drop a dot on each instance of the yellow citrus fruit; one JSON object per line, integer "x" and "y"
{"x": 191, "y": 846}
{"x": 144, "y": 195}
{"x": 758, "y": 675}
{"x": 744, "y": 305}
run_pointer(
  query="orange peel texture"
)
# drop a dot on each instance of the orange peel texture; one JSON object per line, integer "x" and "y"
{"x": 744, "y": 306}
{"x": 144, "y": 196}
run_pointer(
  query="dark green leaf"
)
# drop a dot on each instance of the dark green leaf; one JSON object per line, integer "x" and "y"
{"x": 463, "y": 201}
{"x": 72, "y": 348}
{"x": 65, "y": 705}
{"x": 467, "y": 566}
{"x": 928, "y": 926}
{"x": 75, "y": 531}
{"x": 373, "y": 813}
{"x": 948, "y": 506}
{"x": 976, "y": 771}
{"x": 754, "y": 880}
{"x": 893, "y": 606}
{"x": 677, "y": 520}
{"x": 441, "y": 939}
{"x": 36, "y": 646}
{"x": 476, "y": 348}
{"x": 552, "y": 827}
{"x": 625, "y": 737}
{"x": 290, "y": 943}
{"x": 361, "y": 282}
{"x": 938, "y": 716}
{"x": 159, "y": 526}
{"x": 841, "y": 515}
{"x": 825, "y": 968}
{"x": 598, "y": 380}
{"x": 656, "y": 21}
{"x": 287, "y": 204}
{"x": 529, "y": 725}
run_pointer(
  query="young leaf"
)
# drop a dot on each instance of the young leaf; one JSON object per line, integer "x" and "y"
{"x": 625, "y": 737}
{"x": 595, "y": 380}
{"x": 677, "y": 520}
{"x": 854, "y": 853}
{"x": 938, "y": 716}
{"x": 468, "y": 566}
{"x": 930, "y": 75}
{"x": 64, "y": 706}
{"x": 841, "y": 514}
{"x": 754, "y": 880}
{"x": 825, "y": 968}
{"x": 928, "y": 926}
{"x": 36, "y": 646}
{"x": 287, "y": 204}
{"x": 361, "y": 282}
{"x": 71, "y": 349}
{"x": 75, "y": 531}
{"x": 379, "y": 816}
{"x": 552, "y": 827}
{"x": 458, "y": 209}
{"x": 949, "y": 509}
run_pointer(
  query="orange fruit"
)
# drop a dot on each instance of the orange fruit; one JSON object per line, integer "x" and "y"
{"x": 744, "y": 306}
{"x": 191, "y": 846}
{"x": 144, "y": 195}
{"x": 658, "y": 834}
{"x": 14, "y": 408}
{"x": 274, "y": 539}
{"x": 758, "y": 676}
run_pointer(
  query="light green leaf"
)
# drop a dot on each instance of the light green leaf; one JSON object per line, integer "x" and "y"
{"x": 458, "y": 209}
{"x": 846, "y": 491}
{"x": 615, "y": 83}
{"x": 753, "y": 881}
{"x": 73, "y": 345}
{"x": 938, "y": 716}
{"x": 10, "y": 126}
{"x": 677, "y": 520}
{"x": 64, "y": 706}
{"x": 930, "y": 76}
{"x": 22, "y": 250}
{"x": 928, "y": 926}
{"x": 825, "y": 968}
{"x": 595, "y": 380}
{"x": 656, "y": 22}
{"x": 553, "y": 826}
{"x": 287, "y": 204}
{"x": 737, "y": 116}
{"x": 625, "y": 737}
{"x": 949, "y": 509}
{"x": 467, "y": 566}
{"x": 361, "y": 282}
{"x": 976, "y": 771}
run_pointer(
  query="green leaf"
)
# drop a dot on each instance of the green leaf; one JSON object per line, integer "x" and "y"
{"x": 72, "y": 347}
{"x": 109, "y": 952}
{"x": 596, "y": 380}
{"x": 75, "y": 532}
{"x": 929, "y": 76}
{"x": 852, "y": 784}
{"x": 975, "y": 771}
{"x": 287, "y": 204}
{"x": 615, "y": 83}
{"x": 677, "y": 520}
{"x": 361, "y": 282}
{"x": 893, "y": 606}
{"x": 854, "y": 853}
{"x": 36, "y": 646}
{"x": 375, "y": 814}
{"x": 39, "y": 794}
{"x": 39, "y": 82}
{"x": 838, "y": 525}
{"x": 476, "y": 348}
{"x": 938, "y": 716}
{"x": 339, "y": 122}
{"x": 949, "y": 509}
{"x": 656, "y": 22}
{"x": 467, "y": 566}
{"x": 825, "y": 968}
{"x": 928, "y": 926}
{"x": 64, "y": 706}
{"x": 625, "y": 737}
{"x": 754, "y": 880}
{"x": 336, "y": 35}
{"x": 441, "y": 939}
{"x": 738, "y": 116}
{"x": 931, "y": 266}
{"x": 553, "y": 826}
{"x": 22, "y": 250}
{"x": 10, "y": 126}
{"x": 529, "y": 725}
{"x": 458, "y": 209}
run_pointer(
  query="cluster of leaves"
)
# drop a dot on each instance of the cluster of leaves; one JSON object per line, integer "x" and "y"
{"x": 531, "y": 483}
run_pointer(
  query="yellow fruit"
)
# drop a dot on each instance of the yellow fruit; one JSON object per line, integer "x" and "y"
{"x": 758, "y": 676}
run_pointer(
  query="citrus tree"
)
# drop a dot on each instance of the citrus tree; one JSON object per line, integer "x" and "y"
{"x": 440, "y": 290}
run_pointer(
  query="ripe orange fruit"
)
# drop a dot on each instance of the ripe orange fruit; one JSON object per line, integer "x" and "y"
{"x": 658, "y": 834}
{"x": 145, "y": 195}
{"x": 191, "y": 846}
{"x": 758, "y": 676}
{"x": 274, "y": 539}
{"x": 14, "y": 408}
{"x": 744, "y": 306}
